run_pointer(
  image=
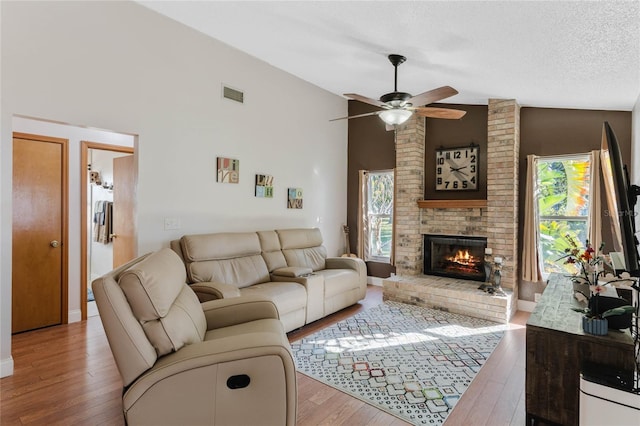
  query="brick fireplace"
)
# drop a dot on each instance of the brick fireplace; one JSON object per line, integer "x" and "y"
{"x": 496, "y": 220}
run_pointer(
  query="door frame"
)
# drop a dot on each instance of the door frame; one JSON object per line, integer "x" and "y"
{"x": 85, "y": 146}
{"x": 64, "y": 213}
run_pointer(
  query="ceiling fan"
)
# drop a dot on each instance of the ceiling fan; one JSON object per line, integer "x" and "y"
{"x": 397, "y": 107}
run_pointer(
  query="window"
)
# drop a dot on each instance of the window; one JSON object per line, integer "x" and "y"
{"x": 378, "y": 216}
{"x": 562, "y": 201}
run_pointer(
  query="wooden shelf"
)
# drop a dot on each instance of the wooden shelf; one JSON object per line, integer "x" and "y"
{"x": 452, "y": 204}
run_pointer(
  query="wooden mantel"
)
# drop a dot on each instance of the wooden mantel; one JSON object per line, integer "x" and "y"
{"x": 452, "y": 204}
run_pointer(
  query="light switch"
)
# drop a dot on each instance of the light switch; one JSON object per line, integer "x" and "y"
{"x": 171, "y": 223}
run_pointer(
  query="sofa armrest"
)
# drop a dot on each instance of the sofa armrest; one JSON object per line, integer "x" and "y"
{"x": 213, "y": 290}
{"x": 238, "y": 310}
{"x": 292, "y": 271}
{"x": 354, "y": 263}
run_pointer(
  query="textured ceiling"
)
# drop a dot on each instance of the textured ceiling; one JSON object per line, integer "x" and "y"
{"x": 542, "y": 53}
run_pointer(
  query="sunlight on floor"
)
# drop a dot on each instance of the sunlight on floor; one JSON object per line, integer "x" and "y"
{"x": 454, "y": 330}
{"x": 368, "y": 342}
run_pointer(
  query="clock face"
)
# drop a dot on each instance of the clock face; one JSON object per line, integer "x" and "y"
{"x": 457, "y": 169}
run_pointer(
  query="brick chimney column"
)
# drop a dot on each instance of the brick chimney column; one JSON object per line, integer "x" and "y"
{"x": 409, "y": 187}
{"x": 503, "y": 148}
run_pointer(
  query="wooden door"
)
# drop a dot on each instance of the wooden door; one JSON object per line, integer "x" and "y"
{"x": 39, "y": 288}
{"x": 124, "y": 244}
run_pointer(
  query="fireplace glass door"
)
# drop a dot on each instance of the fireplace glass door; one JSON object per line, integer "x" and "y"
{"x": 455, "y": 256}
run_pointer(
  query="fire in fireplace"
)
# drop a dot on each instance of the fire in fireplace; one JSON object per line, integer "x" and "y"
{"x": 455, "y": 256}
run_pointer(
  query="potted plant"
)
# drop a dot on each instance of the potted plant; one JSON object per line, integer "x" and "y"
{"x": 595, "y": 317}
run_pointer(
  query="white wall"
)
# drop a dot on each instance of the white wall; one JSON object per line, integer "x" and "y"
{"x": 118, "y": 65}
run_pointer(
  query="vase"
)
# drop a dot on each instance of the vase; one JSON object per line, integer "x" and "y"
{"x": 595, "y": 326}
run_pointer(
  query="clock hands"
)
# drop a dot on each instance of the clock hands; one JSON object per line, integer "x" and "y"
{"x": 458, "y": 170}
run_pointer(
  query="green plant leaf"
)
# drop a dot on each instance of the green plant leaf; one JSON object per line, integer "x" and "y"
{"x": 620, "y": 310}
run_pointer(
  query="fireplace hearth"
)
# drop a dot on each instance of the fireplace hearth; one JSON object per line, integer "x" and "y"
{"x": 455, "y": 256}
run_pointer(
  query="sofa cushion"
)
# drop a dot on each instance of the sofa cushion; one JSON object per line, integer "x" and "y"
{"x": 313, "y": 258}
{"x": 303, "y": 248}
{"x": 160, "y": 299}
{"x": 184, "y": 324}
{"x": 299, "y": 238}
{"x": 271, "y": 251}
{"x": 240, "y": 272}
{"x": 287, "y": 296}
{"x": 230, "y": 258}
{"x": 224, "y": 245}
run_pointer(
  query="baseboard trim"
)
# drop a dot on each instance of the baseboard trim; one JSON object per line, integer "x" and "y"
{"x": 74, "y": 316}
{"x": 374, "y": 281}
{"x": 526, "y": 305}
{"x": 6, "y": 367}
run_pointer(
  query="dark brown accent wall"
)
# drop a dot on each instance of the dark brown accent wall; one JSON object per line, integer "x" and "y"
{"x": 547, "y": 132}
{"x": 472, "y": 128}
{"x": 371, "y": 147}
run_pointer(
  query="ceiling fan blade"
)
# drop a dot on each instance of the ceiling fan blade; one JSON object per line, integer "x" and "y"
{"x": 432, "y": 96}
{"x": 356, "y": 116}
{"x": 432, "y": 112}
{"x": 364, "y": 99}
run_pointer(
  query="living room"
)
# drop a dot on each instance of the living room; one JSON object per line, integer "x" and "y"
{"x": 123, "y": 67}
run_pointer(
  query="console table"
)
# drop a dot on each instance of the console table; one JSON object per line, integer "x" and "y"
{"x": 556, "y": 349}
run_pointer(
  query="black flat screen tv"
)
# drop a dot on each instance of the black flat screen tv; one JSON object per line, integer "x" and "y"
{"x": 621, "y": 200}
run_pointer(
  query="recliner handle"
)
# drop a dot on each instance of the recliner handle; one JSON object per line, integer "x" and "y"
{"x": 238, "y": 382}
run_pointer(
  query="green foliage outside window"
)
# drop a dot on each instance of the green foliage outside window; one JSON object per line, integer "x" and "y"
{"x": 563, "y": 208}
{"x": 380, "y": 214}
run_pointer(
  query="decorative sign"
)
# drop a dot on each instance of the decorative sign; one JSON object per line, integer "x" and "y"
{"x": 294, "y": 199}
{"x": 264, "y": 186}
{"x": 228, "y": 170}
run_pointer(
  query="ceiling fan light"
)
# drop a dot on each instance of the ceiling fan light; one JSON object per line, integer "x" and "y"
{"x": 395, "y": 116}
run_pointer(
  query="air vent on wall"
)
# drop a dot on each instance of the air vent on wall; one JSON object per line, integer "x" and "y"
{"x": 233, "y": 94}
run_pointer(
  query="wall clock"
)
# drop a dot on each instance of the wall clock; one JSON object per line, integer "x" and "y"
{"x": 457, "y": 168}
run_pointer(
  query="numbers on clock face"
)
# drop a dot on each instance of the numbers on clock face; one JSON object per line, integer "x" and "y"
{"x": 457, "y": 169}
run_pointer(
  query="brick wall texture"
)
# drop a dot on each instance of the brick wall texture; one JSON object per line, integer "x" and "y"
{"x": 498, "y": 221}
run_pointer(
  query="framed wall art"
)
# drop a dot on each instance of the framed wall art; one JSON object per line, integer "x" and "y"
{"x": 264, "y": 186}
{"x": 228, "y": 170}
{"x": 294, "y": 198}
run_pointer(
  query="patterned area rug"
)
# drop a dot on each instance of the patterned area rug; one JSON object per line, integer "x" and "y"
{"x": 412, "y": 362}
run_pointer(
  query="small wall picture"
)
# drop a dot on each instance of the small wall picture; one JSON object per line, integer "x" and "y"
{"x": 264, "y": 186}
{"x": 94, "y": 177}
{"x": 228, "y": 170}
{"x": 294, "y": 199}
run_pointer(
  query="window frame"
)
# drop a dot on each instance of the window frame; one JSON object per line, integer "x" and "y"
{"x": 368, "y": 256}
{"x": 560, "y": 218}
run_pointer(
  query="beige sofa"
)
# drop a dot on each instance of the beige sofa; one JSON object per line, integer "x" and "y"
{"x": 288, "y": 266}
{"x": 183, "y": 362}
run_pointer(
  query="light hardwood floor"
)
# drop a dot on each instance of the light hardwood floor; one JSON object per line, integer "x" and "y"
{"x": 65, "y": 375}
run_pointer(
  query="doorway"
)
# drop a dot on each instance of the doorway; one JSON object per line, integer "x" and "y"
{"x": 39, "y": 235}
{"x": 103, "y": 184}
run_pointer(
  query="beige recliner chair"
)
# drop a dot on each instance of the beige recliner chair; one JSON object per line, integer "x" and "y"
{"x": 225, "y": 362}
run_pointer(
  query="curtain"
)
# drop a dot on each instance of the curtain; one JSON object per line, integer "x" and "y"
{"x": 530, "y": 260}
{"x": 594, "y": 223}
{"x": 362, "y": 208}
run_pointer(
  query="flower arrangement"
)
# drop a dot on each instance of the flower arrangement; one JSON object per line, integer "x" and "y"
{"x": 590, "y": 263}
{"x": 591, "y": 267}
